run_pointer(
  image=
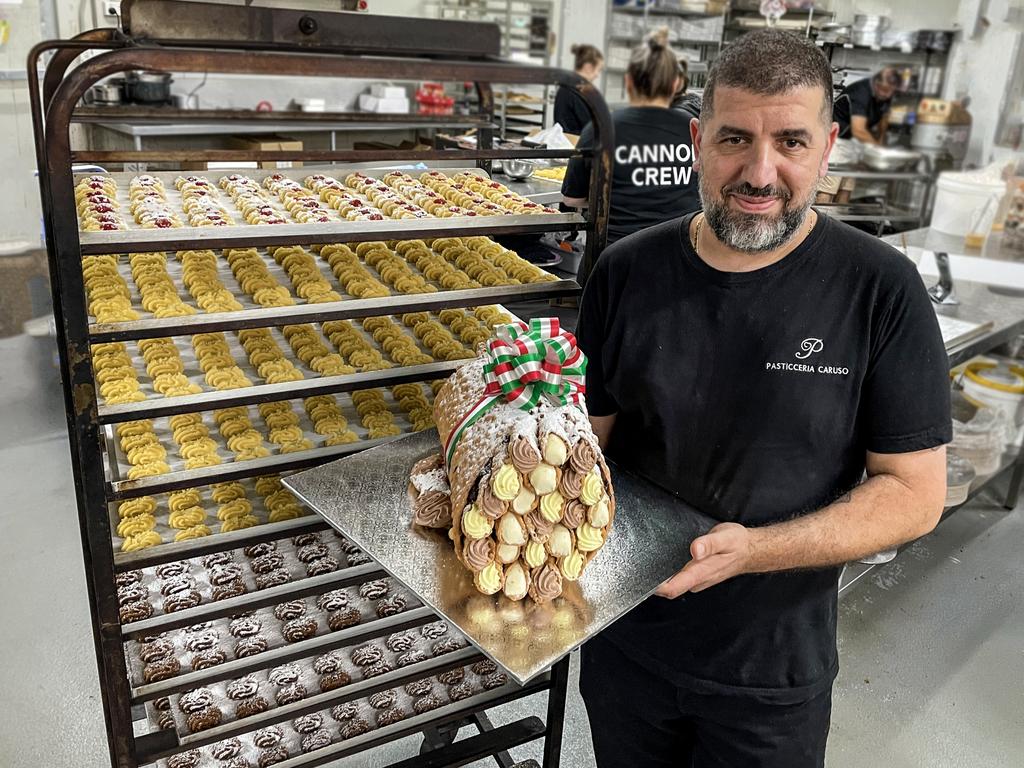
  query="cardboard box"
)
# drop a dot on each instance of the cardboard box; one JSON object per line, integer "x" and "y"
{"x": 267, "y": 143}
{"x": 388, "y": 92}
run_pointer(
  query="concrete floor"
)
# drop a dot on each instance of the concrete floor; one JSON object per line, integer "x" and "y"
{"x": 931, "y": 645}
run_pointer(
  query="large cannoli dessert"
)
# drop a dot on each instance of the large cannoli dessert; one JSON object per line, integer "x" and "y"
{"x": 520, "y": 483}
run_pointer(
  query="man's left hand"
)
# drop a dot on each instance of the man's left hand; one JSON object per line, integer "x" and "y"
{"x": 720, "y": 554}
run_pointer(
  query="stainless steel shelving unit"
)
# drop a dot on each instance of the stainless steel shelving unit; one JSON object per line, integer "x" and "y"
{"x": 191, "y": 37}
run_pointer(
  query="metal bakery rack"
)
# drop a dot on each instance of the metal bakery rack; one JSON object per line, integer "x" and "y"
{"x": 256, "y": 635}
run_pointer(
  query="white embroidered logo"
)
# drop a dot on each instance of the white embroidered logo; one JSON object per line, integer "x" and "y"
{"x": 809, "y": 347}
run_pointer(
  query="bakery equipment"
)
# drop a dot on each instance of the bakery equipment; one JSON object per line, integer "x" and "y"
{"x": 888, "y": 158}
{"x": 159, "y": 562}
{"x": 106, "y": 94}
{"x": 148, "y": 87}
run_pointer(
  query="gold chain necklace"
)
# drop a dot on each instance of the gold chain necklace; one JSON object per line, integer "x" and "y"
{"x": 700, "y": 225}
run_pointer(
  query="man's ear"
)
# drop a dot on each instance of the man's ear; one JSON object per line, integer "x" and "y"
{"x": 695, "y": 140}
{"x": 830, "y": 144}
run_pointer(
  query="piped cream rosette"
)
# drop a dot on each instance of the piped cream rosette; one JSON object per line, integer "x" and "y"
{"x": 531, "y": 500}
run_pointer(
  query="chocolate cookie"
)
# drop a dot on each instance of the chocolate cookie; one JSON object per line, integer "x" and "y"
{"x": 484, "y": 667}
{"x": 200, "y": 721}
{"x": 161, "y": 670}
{"x": 390, "y": 716}
{"x": 135, "y": 612}
{"x": 400, "y": 641}
{"x": 272, "y": 756}
{"x": 165, "y": 721}
{"x": 347, "y": 546}
{"x": 208, "y": 658}
{"x": 365, "y": 655}
{"x": 128, "y": 577}
{"x": 251, "y": 706}
{"x": 333, "y": 680}
{"x": 445, "y": 645}
{"x": 188, "y": 759}
{"x": 289, "y": 694}
{"x": 162, "y": 704}
{"x": 322, "y": 565}
{"x": 245, "y": 626}
{"x": 316, "y": 740}
{"x": 354, "y": 727}
{"x": 216, "y": 559}
{"x": 242, "y": 688}
{"x": 225, "y": 573}
{"x": 305, "y": 539}
{"x": 391, "y": 606}
{"x": 383, "y": 699}
{"x": 238, "y": 762}
{"x": 495, "y": 680}
{"x": 434, "y": 630}
{"x": 268, "y": 737}
{"x": 202, "y": 626}
{"x": 225, "y": 750}
{"x": 344, "y": 619}
{"x": 375, "y": 670}
{"x": 426, "y": 703}
{"x": 327, "y": 664}
{"x": 158, "y": 649}
{"x": 290, "y": 610}
{"x": 419, "y": 687}
{"x": 460, "y": 691}
{"x": 374, "y": 590}
{"x": 286, "y": 674}
{"x": 308, "y": 723}
{"x": 250, "y": 646}
{"x": 311, "y": 552}
{"x": 131, "y": 593}
{"x": 299, "y": 629}
{"x": 170, "y": 570}
{"x": 261, "y": 549}
{"x": 231, "y": 589}
{"x": 201, "y": 641}
{"x": 358, "y": 558}
{"x": 181, "y": 583}
{"x": 181, "y": 601}
{"x": 415, "y": 656}
{"x": 195, "y": 701}
{"x": 452, "y": 676}
{"x": 266, "y": 563}
{"x": 346, "y": 711}
{"x": 333, "y": 601}
{"x": 272, "y": 579}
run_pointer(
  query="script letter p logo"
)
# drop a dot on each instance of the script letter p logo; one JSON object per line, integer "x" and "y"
{"x": 809, "y": 347}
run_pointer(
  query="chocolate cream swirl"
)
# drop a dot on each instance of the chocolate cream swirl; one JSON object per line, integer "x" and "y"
{"x": 433, "y": 509}
{"x": 547, "y": 584}
{"x": 491, "y": 505}
{"x": 574, "y": 514}
{"x": 583, "y": 457}
{"x": 570, "y": 484}
{"x": 478, "y": 553}
{"x": 524, "y": 456}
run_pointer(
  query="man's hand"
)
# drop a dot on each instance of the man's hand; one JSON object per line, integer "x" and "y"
{"x": 720, "y": 554}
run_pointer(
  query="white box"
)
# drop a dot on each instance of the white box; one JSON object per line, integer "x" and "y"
{"x": 387, "y": 91}
{"x": 370, "y": 103}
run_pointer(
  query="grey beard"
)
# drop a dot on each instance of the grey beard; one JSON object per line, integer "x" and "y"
{"x": 749, "y": 232}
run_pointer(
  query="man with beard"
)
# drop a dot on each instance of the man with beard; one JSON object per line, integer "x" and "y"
{"x": 756, "y": 359}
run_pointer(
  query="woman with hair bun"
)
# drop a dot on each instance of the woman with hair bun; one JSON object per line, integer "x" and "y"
{"x": 653, "y": 178}
{"x": 570, "y": 111}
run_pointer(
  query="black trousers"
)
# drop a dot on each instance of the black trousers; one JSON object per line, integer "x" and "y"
{"x": 640, "y": 720}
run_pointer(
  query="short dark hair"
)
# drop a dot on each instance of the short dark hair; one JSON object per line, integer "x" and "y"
{"x": 584, "y": 54}
{"x": 770, "y": 62}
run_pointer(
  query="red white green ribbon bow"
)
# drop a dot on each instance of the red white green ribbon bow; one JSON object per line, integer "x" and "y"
{"x": 525, "y": 364}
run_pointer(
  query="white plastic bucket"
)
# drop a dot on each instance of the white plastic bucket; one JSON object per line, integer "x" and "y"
{"x": 999, "y": 388}
{"x": 958, "y": 196}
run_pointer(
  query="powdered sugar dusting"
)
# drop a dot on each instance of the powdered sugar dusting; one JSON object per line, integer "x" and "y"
{"x": 434, "y": 480}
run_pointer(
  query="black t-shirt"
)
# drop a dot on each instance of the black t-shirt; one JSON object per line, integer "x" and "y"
{"x": 571, "y": 111}
{"x": 754, "y": 396}
{"x": 855, "y": 100}
{"x": 653, "y": 178}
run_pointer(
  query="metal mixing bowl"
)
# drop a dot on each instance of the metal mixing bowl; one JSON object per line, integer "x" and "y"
{"x": 518, "y": 169}
{"x": 888, "y": 159}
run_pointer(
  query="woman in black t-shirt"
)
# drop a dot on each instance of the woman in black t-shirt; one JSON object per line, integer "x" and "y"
{"x": 653, "y": 178}
{"x": 570, "y": 111}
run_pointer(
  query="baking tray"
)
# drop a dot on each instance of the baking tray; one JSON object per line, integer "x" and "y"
{"x": 366, "y": 498}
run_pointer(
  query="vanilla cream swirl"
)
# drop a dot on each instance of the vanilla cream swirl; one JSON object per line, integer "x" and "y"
{"x": 572, "y": 566}
{"x": 488, "y": 580}
{"x": 551, "y": 506}
{"x": 505, "y": 483}
{"x": 588, "y": 538}
{"x": 535, "y": 554}
{"x": 475, "y": 524}
{"x": 593, "y": 488}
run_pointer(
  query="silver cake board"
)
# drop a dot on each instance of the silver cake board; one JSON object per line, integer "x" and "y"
{"x": 366, "y": 498}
